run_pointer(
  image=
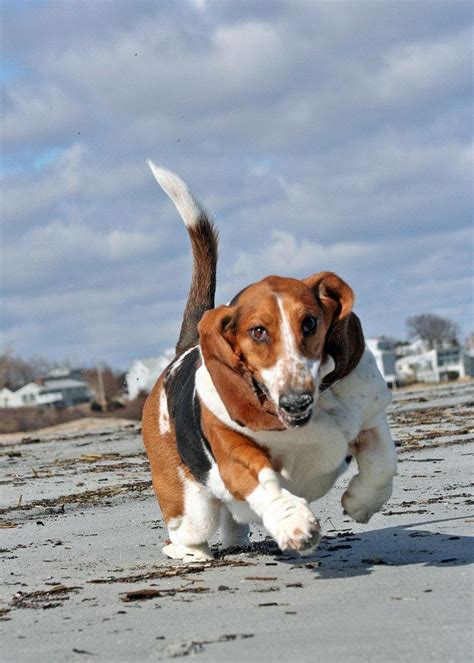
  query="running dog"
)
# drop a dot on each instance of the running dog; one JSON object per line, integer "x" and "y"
{"x": 263, "y": 406}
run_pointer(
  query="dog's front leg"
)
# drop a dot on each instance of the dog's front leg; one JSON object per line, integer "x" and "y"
{"x": 376, "y": 458}
{"x": 247, "y": 473}
{"x": 286, "y": 517}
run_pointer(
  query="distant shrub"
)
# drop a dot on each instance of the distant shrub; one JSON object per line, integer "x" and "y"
{"x": 23, "y": 419}
{"x": 132, "y": 409}
{"x": 452, "y": 375}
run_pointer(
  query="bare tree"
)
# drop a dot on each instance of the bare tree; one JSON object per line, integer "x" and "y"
{"x": 15, "y": 372}
{"x": 433, "y": 329}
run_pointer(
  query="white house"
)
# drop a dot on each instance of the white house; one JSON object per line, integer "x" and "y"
{"x": 435, "y": 365}
{"x": 382, "y": 349}
{"x": 30, "y": 395}
{"x": 56, "y": 388}
{"x": 415, "y": 347}
{"x": 143, "y": 373}
{"x": 6, "y": 397}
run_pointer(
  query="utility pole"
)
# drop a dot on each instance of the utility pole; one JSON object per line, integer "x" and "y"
{"x": 100, "y": 388}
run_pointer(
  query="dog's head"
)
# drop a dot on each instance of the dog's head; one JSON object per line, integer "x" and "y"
{"x": 277, "y": 343}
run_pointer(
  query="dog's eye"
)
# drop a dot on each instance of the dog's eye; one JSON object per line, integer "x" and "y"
{"x": 308, "y": 326}
{"x": 259, "y": 334}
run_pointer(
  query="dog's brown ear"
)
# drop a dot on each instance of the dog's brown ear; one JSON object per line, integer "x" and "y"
{"x": 228, "y": 372}
{"x": 344, "y": 337}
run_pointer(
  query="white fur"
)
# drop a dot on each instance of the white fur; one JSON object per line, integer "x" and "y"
{"x": 164, "y": 419}
{"x": 188, "y": 207}
{"x": 216, "y": 485}
{"x": 377, "y": 464}
{"x": 232, "y": 532}
{"x": 326, "y": 367}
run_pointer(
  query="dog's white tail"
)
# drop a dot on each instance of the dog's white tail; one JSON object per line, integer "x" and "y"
{"x": 188, "y": 207}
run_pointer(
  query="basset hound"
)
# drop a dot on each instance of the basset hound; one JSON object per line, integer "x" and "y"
{"x": 263, "y": 406}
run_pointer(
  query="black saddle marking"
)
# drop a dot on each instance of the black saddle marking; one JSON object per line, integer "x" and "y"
{"x": 185, "y": 410}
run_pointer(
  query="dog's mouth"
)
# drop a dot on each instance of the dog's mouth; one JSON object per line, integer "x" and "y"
{"x": 288, "y": 419}
{"x": 295, "y": 420}
{"x": 260, "y": 392}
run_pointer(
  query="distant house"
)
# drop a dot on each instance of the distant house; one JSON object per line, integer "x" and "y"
{"x": 415, "y": 347}
{"x": 71, "y": 391}
{"x": 143, "y": 373}
{"x": 57, "y": 388}
{"x": 32, "y": 394}
{"x": 382, "y": 349}
{"x": 436, "y": 365}
{"x": 6, "y": 397}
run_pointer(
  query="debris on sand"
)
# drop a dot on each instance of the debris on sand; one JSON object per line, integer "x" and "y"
{"x": 145, "y": 594}
{"x": 43, "y": 599}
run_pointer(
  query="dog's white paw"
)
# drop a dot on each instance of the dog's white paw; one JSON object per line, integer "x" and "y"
{"x": 200, "y": 553}
{"x": 361, "y": 501}
{"x": 290, "y": 521}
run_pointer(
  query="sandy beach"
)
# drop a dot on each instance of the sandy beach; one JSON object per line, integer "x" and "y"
{"x": 84, "y": 577}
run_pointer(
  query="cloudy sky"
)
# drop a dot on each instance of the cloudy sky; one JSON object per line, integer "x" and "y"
{"x": 321, "y": 135}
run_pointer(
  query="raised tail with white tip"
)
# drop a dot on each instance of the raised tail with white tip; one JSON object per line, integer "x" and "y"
{"x": 204, "y": 241}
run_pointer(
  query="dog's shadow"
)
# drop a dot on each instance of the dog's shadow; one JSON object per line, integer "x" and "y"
{"x": 347, "y": 554}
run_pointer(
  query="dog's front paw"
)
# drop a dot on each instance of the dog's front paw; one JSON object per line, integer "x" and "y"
{"x": 291, "y": 523}
{"x": 361, "y": 501}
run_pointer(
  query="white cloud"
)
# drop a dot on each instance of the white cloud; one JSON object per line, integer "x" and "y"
{"x": 43, "y": 254}
{"x": 425, "y": 67}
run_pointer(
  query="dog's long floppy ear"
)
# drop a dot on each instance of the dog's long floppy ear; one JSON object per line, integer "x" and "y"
{"x": 229, "y": 374}
{"x": 344, "y": 338}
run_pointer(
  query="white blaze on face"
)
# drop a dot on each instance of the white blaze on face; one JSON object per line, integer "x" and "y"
{"x": 291, "y": 369}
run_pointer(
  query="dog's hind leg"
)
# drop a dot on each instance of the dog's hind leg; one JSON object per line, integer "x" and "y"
{"x": 233, "y": 534}
{"x": 189, "y": 533}
{"x": 189, "y": 510}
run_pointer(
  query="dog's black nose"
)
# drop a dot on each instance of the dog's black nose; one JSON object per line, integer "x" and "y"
{"x": 295, "y": 402}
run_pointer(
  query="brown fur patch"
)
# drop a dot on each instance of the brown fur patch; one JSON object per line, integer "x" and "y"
{"x": 163, "y": 457}
{"x": 239, "y": 458}
{"x": 365, "y": 439}
{"x": 203, "y": 236}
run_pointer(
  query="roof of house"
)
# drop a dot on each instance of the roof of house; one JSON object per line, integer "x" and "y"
{"x": 66, "y": 383}
{"x": 30, "y": 386}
